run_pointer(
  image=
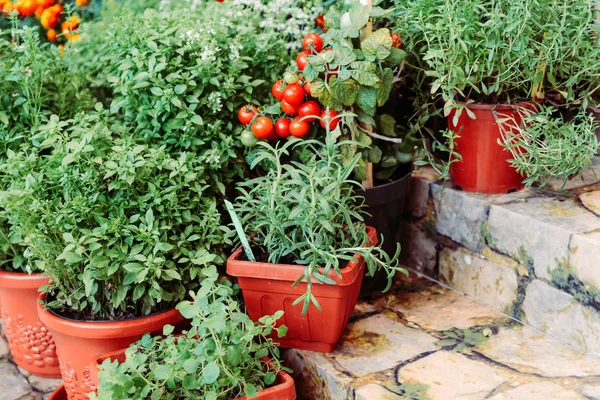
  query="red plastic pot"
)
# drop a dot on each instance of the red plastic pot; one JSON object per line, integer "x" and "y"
{"x": 31, "y": 344}
{"x": 484, "y": 167}
{"x": 267, "y": 288}
{"x": 78, "y": 343}
{"x": 282, "y": 389}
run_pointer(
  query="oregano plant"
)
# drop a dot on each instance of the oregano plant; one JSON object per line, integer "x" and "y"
{"x": 224, "y": 355}
{"x": 122, "y": 227}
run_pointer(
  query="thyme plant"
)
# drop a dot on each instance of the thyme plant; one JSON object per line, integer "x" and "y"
{"x": 219, "y": 358}
{"x": 502, "y": 52}
{"x": 307, "y": 213}
{"x": 546, "y": 146}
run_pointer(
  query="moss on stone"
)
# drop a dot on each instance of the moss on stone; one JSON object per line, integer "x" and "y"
{"x": 525, "y": 275}
{"x": 564, "y": 279}
{"x": 409, "y": 391}
{"x": 486, "y": 235}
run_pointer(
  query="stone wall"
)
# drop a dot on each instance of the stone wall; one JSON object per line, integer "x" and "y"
{"x": 534, "y": 254}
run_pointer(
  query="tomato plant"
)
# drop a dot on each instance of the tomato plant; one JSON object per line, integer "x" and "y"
{"x": 333, "y": 119}
{"x": 294, "y": 94}
{"x": 262, "y": 128}
{"x": 282, "y": 127}
{"x": 248, "y": 139}
{"x": 299, "y": 128}
{"x": 311, "y": 107}
{"x": 314, "y": 42}
{"x": 246, "y": 114}
{"x": 302, "y": 60}
{"x": 276, "y": 90}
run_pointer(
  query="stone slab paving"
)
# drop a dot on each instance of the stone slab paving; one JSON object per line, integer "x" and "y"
{"x": 18, "y": 384}
{"x": 534, "y": 253}
{"x": 422, "y": 341}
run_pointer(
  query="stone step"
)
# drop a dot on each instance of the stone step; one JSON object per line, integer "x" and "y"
{"x": 422, "y": 341}
{"x": 534, "y": 254}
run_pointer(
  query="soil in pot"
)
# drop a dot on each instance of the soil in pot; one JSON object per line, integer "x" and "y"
{"x": 484, "y": 167}
{"x": 385, "y": 204}
{"x": 267, "y": 288}
{"x": 79, "y": 343}
{"x": 31, "y": 344}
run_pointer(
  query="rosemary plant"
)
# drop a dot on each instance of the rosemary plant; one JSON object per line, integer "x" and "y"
{"x": 307, "y": 213}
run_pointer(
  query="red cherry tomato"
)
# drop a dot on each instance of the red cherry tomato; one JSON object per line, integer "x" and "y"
{"x": 282, "y": 127}
{"x": 309, "y": 108}
{"x": 299, "y": 128}
{"x": 277, "y": 90}
{"x": 307, "y": 88}
{"x": 246, "y": 114}
{"x": 262, "y": 128}
{"x": 321, "y": 21}
{"x": 272, "y": 136}
{"x": 333, "y": 121}
{"x": 396, "y": 40}
{"x": 294, "y": 94}
{"x": 288, "y": 108}
{"x": 313, "y": 41}
{"x": 302, "y": 61}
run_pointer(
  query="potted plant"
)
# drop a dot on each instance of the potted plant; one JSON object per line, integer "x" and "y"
{"x": 354, "y": 69}
{"x": 224, "y": 355}
{"x": 34, "y": 82}
{"x": 308, "y": 242}
{"x": 122, "y": 228}
{"x": 488, "y": 66}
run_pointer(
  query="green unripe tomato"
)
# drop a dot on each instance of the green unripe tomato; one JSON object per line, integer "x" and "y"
{"x": 248, "y": 139}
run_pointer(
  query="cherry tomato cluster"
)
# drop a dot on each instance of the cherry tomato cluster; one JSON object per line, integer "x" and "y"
{"x": 295, "y": 101}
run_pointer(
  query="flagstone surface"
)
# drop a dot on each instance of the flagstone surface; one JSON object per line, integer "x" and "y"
{"x": 533, "y": 253}
{"x": 422, "y": 341}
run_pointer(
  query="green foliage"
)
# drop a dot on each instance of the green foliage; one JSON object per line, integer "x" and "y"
{"x": 219, "y": 358}
{"x": 464, "y": 340}
{"x": 352, "y": 75}
{"x": 306, "y": 213}
{"x": 35, "y": 82}
{"x": 502, "y": 51}
{"x": 546, "y": 146}
{"x": 179, "y": 75}
{"x": 122, "y": 228}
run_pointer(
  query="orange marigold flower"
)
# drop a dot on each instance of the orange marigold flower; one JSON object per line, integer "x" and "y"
{"x": 71, "y": 24}
{"x": 52, "y": 35}
{"x": 8, "y": 7}
{"x": 26, "y": 7}
{"x": 51, "y": 16}
{"x": 81, "y": 3}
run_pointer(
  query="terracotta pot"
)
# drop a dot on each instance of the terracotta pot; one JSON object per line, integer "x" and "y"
{"x": 78, "y": 343}
{"x": 267, "y": 288}
{"x": 484, "y": 167}
{"x": 283, "y": 388}
{"x": 30, "y": 343}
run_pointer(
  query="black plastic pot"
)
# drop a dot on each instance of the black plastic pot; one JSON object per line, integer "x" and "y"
{"x": 596, "y": 113}
{"x": 386, "y": 205}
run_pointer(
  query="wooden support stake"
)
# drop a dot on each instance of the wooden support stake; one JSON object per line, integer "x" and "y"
{"x": 368, "y": 183}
